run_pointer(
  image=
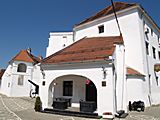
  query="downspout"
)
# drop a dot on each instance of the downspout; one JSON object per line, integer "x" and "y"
{"x": 123, "y": 78}
{"x": 114, "y": 88}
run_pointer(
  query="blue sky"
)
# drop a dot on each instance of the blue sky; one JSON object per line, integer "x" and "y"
{"x": 27, "y": 23}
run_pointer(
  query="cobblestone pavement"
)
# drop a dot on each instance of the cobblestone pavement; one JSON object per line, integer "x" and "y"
{"x": 22, "y": 108}
{"x": 6, "y": 113}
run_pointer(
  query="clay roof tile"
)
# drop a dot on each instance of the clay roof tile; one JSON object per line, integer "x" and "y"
{"x": 95, "y": 48}
{"x": 109, "y": 10}
{"x": 24, "y": 55}
{"x": 131, "y": 71}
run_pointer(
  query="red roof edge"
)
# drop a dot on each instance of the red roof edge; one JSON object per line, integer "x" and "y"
{"x": 107, "y": 11}
{"x": 131, "y": 71}
{"x": 2, "y": 72}
{"x": 22, "y": 54}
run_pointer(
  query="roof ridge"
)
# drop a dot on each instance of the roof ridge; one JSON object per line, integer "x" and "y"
{"x": 34, "y": 58}
{"x": 31, "y": 57}
{"x": 106, "y": 11}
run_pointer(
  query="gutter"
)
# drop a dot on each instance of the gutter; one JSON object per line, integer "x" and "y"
{"x": 69, "y": 63}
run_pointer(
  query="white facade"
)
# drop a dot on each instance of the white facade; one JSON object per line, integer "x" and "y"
{"x": 120, "y": 88}
{"x": 12, "y": 86}
{"x": 140, "y": 51}
{"x": 133, "y": 23}
{"x": 58, "y": 41}
{"x": 79, "y": 73}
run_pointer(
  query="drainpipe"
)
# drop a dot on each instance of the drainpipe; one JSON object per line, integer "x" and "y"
{"x": 123, "y": 74}
{"x": 114, "y": 87}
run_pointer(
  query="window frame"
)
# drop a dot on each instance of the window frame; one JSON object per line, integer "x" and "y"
{"x": 22, "y": 67}
{"x": 101, "y": 29}
{"x": 67, "y": 88}
{"x": 147, "y": 47}
{"x": 154, "y": 52}
{"x": 20, "y": 80}
{"x": 157, "y": 82}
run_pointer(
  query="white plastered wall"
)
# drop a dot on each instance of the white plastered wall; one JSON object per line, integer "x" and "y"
{"x": 94, "y": 74}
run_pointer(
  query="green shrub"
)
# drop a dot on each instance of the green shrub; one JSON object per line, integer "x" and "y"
{"x": 38, "y": 104}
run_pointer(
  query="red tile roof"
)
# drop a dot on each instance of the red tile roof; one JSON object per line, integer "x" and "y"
{"x": 24, "y": 55}
{"x": 1, "y": 73}
{"x": 109, "y": 10}
{"x": 131, "y": 71}
{"x": 96, "y": 48}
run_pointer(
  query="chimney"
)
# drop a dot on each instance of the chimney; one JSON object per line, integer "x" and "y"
{"x": 29, "y": 50}
{"x": 40, "y": 57}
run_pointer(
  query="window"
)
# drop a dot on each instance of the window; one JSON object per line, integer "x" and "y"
{"x": 64, "y": 36}
{"x": 154, "y": 52}
{"x": 159, "y": 54}
{"x": 22, "y": 67}
{"x": 20, "y": 79}
{"x": 157, "y": 80}
{"x": 43, "y": 83}
{"x": 152, "y": 32}
{"x": 147, "y": 48}
{"x": 67, "y": 88}
{"x": 101, "y": 29}
{"x": 8, "y": 84}
{"x": 158, "y": 39}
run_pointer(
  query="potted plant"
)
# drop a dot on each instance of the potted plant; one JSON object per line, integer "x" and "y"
{"x": 38, "y": 104}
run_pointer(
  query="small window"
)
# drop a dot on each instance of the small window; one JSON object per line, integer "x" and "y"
{"x": 152, "y": 32}
{"x": 64, "y": 36}
{"x": 101, "y": 29}
{"x": 157, "y": 80}
{"x": 67, "y": 88}
{"x": 154, "y": 52}
{"x": 147, "y": 48}
{"x": 20, "y": 79}
{"x": 159, "y": 54}
{"x": 8, "y": 84}
{"x": 43, "y": 83}
{"x": 158, "y": 39}
{"x": 22, "y": 67}
{"x": 150, "y": 82}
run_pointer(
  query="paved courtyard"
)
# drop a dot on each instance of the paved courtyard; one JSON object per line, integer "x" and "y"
{"x": 23, "y": 109}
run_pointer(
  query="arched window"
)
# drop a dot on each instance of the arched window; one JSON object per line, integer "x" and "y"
{"x": 22, "y": 67}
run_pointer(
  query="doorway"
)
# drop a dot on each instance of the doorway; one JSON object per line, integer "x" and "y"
{"x": 91, "y": 92}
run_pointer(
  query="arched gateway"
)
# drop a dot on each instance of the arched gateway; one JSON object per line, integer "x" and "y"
{"x": 74, "y": 88}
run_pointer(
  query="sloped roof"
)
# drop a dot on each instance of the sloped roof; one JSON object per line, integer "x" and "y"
{"x": 131, "y": 71}
{"x": 25, "y": 56}
{"x": 95, "y": 48}
{"x": 109, "y": 10}
{"x": 1, "y": 73}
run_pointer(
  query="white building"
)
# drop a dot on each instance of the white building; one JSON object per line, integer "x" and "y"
{"x": 120, "y": 68}
{"x": 58, "y": 41}
{"x": 21, "y": 68}
{"x": 95, "y": 63}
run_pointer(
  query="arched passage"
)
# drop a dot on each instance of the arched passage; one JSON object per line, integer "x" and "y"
{"x": 72, "y": 86}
